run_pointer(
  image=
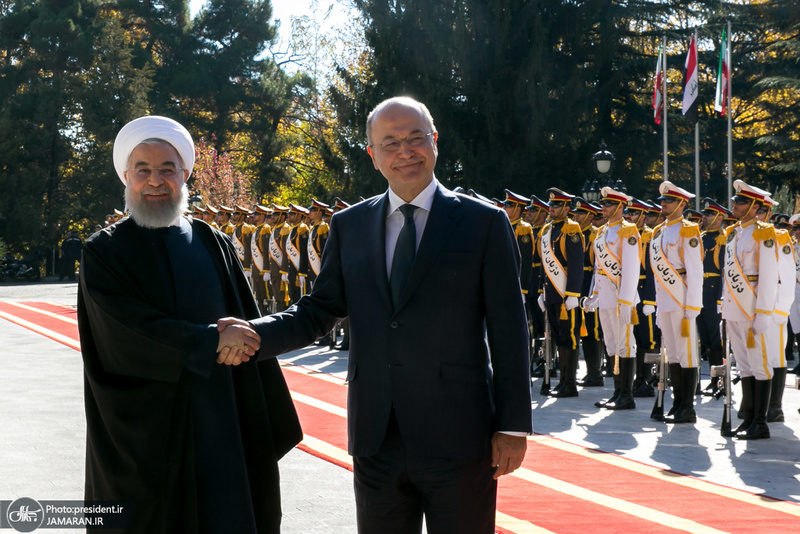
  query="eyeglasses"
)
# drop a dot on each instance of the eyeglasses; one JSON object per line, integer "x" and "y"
{"x": 668, "y": 200}
{"x": 556, "y": 204}
{"x": 608, "y": 203}
{"x": 741, "y": 201}
{"x": 143, "y": 173}
{"x": 413, "y": 141}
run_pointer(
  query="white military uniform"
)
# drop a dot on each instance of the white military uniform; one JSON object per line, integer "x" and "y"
{"x": 677, "y": 260}
{"x": 751, "y": 287}
{"x": 783, "y": 303}
{"x": 615, "y": 281}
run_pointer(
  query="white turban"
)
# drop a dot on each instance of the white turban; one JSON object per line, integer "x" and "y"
{"x": 152, "y": 127}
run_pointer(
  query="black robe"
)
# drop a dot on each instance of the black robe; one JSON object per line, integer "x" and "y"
{"x": 147, "y": 364}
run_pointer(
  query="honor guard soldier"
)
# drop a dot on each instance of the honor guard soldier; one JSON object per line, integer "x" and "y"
{"x": 713, "y": 237}
{"x": 277, "y": 255}
{"x": 748, "y": 300}
{"x": 294, "y": 270}
{"x": 240, "y": 237}
{"x": 616, "y": 275}
{"x": 794, "y": 313}
{"x": 210, "y": 216}
{"x": 513, "y": 206}
{"x": 591, "y": 337}
{"x": 654, "y": 217}
{"x": 224, "y": 220}
{"x": 536, "y": 214}
{"x": 647, "y": 334}
{"x": 561, "y": 246}
{"x": 676, "y": 256}
{"x": 317, "y": 237}
{"x": 198, "y": 212}
{"x": 779, "y": 334}
{"x": 692, "y": 216}
{"x": 336, "y": 206}
{"x": 259, "y": 252}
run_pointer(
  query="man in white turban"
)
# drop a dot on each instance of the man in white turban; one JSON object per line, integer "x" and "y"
{"x": 193, "y": 444}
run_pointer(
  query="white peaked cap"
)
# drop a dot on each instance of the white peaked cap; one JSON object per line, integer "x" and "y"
{"x": 152, "y": 127}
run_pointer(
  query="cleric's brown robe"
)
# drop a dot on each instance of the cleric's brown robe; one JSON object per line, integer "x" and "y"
{"x": 137, "y": 387}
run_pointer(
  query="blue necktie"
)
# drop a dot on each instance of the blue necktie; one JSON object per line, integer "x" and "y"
{"x": 404, "y": 253}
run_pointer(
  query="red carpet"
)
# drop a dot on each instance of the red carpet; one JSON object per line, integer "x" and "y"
{"x": 560, "y": 488}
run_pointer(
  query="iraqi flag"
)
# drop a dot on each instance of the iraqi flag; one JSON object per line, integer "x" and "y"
{"x": 723, "y": 76}
{"x": 690, "y": 84}
{"x": 658, "y": 95}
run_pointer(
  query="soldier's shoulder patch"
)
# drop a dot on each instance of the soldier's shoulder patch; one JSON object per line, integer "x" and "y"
{"x": 575, "y": 238}
{"x": 731, "y": 235}
{"x": 787, "y": 249}
{"x": 632, "y": 240}
{"x": 525, "y": 239}
{"x": 693, "y": 242}
{"x": 769, "y": 243}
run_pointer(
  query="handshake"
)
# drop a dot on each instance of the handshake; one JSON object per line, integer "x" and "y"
{"x": 238, "y": 342}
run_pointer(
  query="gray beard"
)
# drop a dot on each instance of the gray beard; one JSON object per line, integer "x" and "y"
{"x": 157, "y": 215}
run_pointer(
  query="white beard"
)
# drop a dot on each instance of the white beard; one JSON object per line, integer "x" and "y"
{"x": 159, "y": 214}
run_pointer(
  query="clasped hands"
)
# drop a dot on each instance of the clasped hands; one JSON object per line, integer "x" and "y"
{"x": 238, "y": 342}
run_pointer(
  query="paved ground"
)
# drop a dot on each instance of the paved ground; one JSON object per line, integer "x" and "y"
{"x": 42, "y": 432}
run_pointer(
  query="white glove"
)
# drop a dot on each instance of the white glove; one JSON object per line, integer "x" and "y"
{"x": 648, "y": 309}
{"x": 719, "y": 308}
{"x": 761, "y": 323}
{"x": 540, "y": 300}
{"x": 285, "y": 277}
{"x": 571, "y": 303}
{"x": 266, "y": 276}
{"x": 625, "y": 313}
{"x": 779, "y": 318}
{"x": 590, "y": 304}
{"x": 247, "y": 273}
{"x": 691, "y": 314}
{"x": 302, "y": 284}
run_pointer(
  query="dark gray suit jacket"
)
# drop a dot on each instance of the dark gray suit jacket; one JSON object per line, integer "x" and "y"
{"x": 452, "y": 359}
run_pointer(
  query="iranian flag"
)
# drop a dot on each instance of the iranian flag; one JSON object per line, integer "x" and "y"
{"x": 690, "y": 85}
{"x": 658, "y": 96}
{"x": 723, "y": 76}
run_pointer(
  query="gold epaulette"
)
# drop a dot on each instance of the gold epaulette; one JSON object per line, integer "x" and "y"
{"x": 764, "y": 231}
{"x": 593, "y": 233}
{"x": 628, "y": 230}
{"x": 323, "y": 228}
{"x": 647, "y": 235}
{"x": 570, "y": 228}
{"x": 783, "y": 237}
{"x": 302, "y": 229}
{"x": 689, "y": 229}
{"x": 523, "y": 228}
{"x": 722, "y": 238}
{"x": 286, "y": 230}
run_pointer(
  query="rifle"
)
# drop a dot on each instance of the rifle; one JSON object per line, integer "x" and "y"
{"x": 548, "y": 356}
{"x": 724, "y": 371}
{"x": 658, "y": 408}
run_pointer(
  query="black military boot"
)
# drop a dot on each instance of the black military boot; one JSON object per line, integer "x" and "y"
{"x": 675, "y": 379}
{"x": 746, "y": 406}
{"x": 568, "y": 359}
{"x": 561, "y": 361}
{"x": 758, "y": 429}
{"x": 775, "y": 411}
{"x": 593, "y": 356}
{"x": 641, "y": 386}
{"x": 714, "y": 358}
{"x": 625, "y": 399}
{"x": 617, "y": 384}
{"x": 686, "y": 412}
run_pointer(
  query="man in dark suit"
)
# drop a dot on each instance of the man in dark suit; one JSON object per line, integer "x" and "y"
{"x": 431, "y": 424}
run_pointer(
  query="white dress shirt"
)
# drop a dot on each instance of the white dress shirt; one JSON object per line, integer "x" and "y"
{"x": 395, "y": 219}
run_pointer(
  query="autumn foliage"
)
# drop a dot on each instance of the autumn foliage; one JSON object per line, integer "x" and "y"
{"x": 215, "y": 178}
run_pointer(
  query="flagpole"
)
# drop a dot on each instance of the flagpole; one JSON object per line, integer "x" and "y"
{"x": 730, "y": 117}
{"x": 696, "y": 149}
{"x": 664, "y": 100}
